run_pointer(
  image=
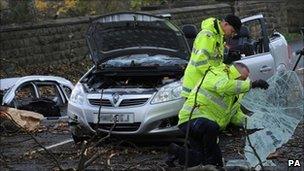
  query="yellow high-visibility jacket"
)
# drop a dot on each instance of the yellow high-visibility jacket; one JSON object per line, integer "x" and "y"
{"x": 208, "y": 50}
{"x": 217, "y": 98}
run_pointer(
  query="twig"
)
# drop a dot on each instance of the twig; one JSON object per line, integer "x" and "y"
{"x": 190, "y": 116}
{"x": 92, "y": 159}
{"x": 36, "y": 141}
{"x": 121, "y": 166}
{"x": 242, "y": 155}
{"x": 3, "y": 160}
{"x": 133, "y": 166}
{"x": 161, "y": 167}
{"x": 82, "y": 158}
{"x": 110, "y": 132}
{"x": 251, "y": 146}
{"x": 9, "y": 132}
{"x": 109, "y": 159}
{"x": 96, "y": 155}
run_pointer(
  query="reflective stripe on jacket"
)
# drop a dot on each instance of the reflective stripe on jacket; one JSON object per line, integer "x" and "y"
{"x": 208, "y": 49}
{"x": 217, "y": 99}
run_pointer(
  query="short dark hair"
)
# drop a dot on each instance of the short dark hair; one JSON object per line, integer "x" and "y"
{"x": 234, "y": 21}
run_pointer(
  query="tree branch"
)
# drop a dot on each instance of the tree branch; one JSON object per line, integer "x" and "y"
{"x": 251, "y": 146}
{"x": 96, "y": 155}
{"x": 36, "y": 141}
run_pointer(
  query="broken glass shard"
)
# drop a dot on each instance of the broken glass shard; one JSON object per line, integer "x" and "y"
{"x": 277, "y": 110}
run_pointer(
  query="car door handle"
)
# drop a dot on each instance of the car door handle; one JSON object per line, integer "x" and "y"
{"x": 265, "y": 68}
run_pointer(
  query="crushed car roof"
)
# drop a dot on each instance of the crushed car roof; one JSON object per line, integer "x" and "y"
{"x": 9, "y": 82}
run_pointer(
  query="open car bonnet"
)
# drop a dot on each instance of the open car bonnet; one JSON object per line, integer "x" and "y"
{"x": 121, "y": 34}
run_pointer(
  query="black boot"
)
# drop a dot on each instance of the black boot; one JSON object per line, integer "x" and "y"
{"x": 173, "y": 150}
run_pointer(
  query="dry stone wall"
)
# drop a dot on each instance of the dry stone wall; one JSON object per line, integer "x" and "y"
{"x": 195, "y": 14}
{"x": 44, "y": 43}
{"x": 62, "y": 40}
{"x": 273, "y": 10}
{"x": 295, "y": 15}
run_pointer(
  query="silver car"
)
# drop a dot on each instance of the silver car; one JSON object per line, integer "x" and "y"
{"x": 47, "y": 95}
{"x": 139, "y": 60}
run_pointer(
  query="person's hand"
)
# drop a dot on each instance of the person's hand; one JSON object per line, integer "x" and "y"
{"x": 231, "y": 57}
{"x": 260, "y": 84}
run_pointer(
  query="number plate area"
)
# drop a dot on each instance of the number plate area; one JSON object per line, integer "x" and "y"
{"x": 121, "y": 118}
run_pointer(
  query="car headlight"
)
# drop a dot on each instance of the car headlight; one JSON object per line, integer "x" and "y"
{"x": 78, "y": 95}
{"x": 169, "y": 92}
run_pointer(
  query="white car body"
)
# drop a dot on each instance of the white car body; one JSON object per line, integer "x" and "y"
{"x": 11, "y": 86}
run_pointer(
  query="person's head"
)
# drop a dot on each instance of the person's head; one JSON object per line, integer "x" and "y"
{"x": 243, "y": 70}
{"x": 231, "y": 25}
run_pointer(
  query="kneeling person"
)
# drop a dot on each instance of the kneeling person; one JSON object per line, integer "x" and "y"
{"x": 216, "y": 104}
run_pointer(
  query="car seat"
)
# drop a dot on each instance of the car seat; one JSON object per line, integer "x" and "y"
{"x": 190, "y": 32}
{"x": 242, "y": 42}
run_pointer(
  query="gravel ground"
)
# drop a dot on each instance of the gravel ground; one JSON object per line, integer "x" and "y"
{"x": 19, "y": 151}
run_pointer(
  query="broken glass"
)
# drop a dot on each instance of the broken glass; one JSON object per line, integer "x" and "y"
{"x": 277, "y": 111}
{"x": 145, "y": 60}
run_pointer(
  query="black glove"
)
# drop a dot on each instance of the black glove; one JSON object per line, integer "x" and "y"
{"x": 260, "y": 84}
{"x": 231, "y": 57}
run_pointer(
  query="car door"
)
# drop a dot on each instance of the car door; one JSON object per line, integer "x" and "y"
{"x": 25, "y": 92}
{"x": 261, "y": 64}
{"x": 51, "y": 92}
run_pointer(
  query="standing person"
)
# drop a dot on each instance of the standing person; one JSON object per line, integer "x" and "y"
{"x": 211, "y": 105}
{"x": 208, "y": 49}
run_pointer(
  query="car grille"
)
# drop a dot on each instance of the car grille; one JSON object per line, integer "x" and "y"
{"x": 104, "y": 102}
{"x": 123, "y": 103}
{"x": 119, "y": 127}
{"x": 133, "y": 102}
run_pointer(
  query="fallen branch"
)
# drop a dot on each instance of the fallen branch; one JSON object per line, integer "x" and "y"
{"x": 252, "y": 147}
{"x": 96, "y": 155}
{"x": 36, "y": 141}
{"x": 109, "y": 159}
{"x": 82, "y": 156}
{"x": 189, "y": 119}
{"x": 239, "y": 153}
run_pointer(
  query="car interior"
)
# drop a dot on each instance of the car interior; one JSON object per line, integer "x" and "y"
{"x": 47, "y": 102}
{"x": 252, "y": 38}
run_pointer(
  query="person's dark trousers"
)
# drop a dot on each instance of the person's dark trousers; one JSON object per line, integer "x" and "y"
{"x": 203, "y": 146}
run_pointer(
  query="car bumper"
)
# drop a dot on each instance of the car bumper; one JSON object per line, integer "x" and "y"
{"x": 156, "y": 119}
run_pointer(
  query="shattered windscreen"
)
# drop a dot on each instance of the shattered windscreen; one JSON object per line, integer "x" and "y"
{"x": 145, "y": 60}
{"x": 276, "y": 111}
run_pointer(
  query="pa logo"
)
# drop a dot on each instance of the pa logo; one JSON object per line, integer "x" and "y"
{"x": 294, "y": 163}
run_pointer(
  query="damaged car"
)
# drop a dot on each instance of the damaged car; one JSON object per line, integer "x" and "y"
{"x": 47, "y": 95}
{"x": 139, "y": 60}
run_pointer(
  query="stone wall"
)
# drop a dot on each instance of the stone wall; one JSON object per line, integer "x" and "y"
{"x": 49, "y": 42}
{"x": 285, "y": 16}
{"x": 295, "y": 15}
{"x": 62, "y": 40}
{"x": 195, "y": 14}
{"x": 274, "y": 12}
